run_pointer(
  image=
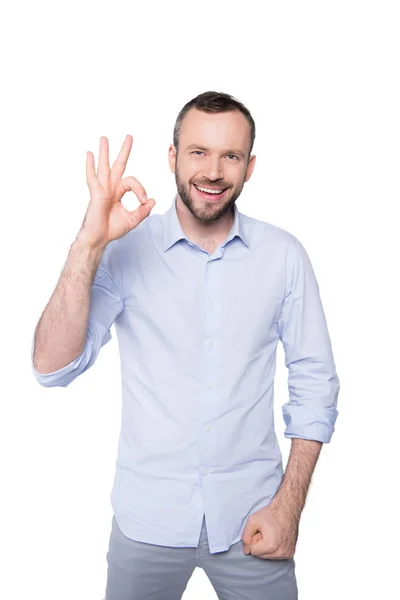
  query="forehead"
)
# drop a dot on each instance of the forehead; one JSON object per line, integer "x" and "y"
{"x": 226, "y": 129}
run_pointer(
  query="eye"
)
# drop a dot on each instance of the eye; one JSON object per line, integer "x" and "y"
{"x": 234, "y": 155}
{"x": 194, "y": 152}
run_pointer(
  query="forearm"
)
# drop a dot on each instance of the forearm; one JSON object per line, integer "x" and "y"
{"x": 291, "y": 495}
{"x": 60, "y": 335}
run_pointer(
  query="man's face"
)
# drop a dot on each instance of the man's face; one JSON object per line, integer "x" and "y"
{"x": 213, "y": 154}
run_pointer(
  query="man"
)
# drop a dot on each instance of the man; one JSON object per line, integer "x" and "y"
{"x": 200, "y": 297}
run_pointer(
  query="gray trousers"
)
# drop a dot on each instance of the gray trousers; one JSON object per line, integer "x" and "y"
{"x": 141, "y": 571}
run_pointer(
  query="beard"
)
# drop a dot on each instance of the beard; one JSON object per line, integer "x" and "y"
{"x": 205, "y": 214}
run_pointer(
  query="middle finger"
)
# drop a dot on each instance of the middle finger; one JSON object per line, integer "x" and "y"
{"x": 119, "y": 166}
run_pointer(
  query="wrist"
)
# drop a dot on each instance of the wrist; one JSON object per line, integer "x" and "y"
{"x": 84, "y": 257}
{"x": 84, "y": 242}
{"x": 288, "y": 507}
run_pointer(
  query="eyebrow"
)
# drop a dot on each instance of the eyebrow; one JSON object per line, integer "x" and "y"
{"x": 226, "y": 151}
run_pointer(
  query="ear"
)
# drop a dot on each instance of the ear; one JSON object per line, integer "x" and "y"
{"x": 172, "y": 157}
{"x": 250, "y": 167}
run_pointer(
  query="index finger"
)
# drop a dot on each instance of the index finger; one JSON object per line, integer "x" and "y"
{"x": 119, "y": 166}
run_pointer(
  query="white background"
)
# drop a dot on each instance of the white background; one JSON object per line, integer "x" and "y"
{"x": 322, "y": 82}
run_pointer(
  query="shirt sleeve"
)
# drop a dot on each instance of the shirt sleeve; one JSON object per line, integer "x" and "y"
{"x": 313, "y": 383}
{"x": 106, "y": 302}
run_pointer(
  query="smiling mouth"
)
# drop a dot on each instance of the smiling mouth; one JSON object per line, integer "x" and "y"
{"x": 213, "y": 194}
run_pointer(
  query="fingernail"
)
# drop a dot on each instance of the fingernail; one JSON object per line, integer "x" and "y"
{"x": 144, "y": 198}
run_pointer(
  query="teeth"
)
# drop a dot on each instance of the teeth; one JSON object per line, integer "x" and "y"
{"x": 208, "y": 191}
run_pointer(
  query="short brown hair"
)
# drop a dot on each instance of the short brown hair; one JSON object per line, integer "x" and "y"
{"x": 214, "y": 102}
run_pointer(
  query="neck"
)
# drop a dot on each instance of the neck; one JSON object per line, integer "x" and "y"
{"x": 200, "y": 232}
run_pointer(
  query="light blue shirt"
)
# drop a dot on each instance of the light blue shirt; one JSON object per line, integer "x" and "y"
{"x": 197, "y": 337}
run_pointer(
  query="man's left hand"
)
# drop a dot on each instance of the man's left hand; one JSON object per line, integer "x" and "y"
{"x": 271, "y": 533}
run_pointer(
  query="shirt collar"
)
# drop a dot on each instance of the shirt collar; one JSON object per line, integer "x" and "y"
{"x": 173, "y": 230}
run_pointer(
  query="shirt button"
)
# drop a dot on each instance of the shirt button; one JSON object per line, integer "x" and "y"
{"x": 205, "y": 471}
{"x": 212, "y": 301}
{"x": 209, "y": 428}
{"x": 210, "y": 386}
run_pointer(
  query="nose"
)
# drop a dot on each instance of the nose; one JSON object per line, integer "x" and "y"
{"x": 212, "y": 170}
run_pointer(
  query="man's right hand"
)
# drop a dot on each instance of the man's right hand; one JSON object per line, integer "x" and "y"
{"x": 106, "y": 219}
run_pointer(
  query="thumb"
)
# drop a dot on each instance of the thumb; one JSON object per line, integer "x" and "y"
{"x": 141, "y": 212}
{"x": 257, "y": 545}
{"x": 250, "y": 533}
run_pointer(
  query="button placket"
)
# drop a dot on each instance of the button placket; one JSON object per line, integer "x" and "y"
{"x": 211, "y": 368}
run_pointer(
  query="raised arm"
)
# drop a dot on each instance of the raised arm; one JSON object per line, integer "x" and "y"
{"x": 76, "y": 321}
